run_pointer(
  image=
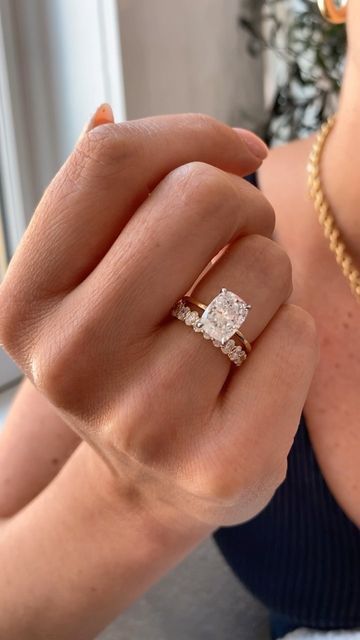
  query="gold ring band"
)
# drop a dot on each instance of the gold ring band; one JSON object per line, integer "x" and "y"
{"x": 238, "y": 333}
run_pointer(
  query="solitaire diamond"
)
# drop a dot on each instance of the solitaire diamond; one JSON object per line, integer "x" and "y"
{"x": 224, "y": 316}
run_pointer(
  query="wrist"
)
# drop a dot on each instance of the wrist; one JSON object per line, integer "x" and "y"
{"x": 94, "y": 543}
{"x": 122, "y": 491}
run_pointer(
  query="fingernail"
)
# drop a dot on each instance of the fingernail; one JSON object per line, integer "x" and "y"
{"x": 103, "y": 115}
{"x": 257, "y": 147}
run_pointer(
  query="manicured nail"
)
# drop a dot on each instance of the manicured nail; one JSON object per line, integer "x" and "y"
{"x": 257, "y": 147}
{"x": 103, "y": 115}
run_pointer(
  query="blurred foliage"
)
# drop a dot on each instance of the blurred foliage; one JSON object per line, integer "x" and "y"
{"x": 311, "y": 55}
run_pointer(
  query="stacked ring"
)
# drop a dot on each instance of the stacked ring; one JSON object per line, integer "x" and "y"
{"x": 246, "y": 344}
{"x": 219, "y": 322}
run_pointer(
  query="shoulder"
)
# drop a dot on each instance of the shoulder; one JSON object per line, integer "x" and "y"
{"x": 284, "y": 172}
{"x": 283, "y": 180}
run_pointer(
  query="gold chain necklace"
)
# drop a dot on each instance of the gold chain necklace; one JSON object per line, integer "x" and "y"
{"x": 326, "y": 217}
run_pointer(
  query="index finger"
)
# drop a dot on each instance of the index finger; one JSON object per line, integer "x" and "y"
{"x": 110, "y": 173}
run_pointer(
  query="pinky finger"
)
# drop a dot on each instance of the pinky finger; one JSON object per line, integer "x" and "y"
{"x": 264, "y": 399}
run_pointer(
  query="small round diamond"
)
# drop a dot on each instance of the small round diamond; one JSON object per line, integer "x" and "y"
{"x": 183, "y": 313}
{"x": 206, "y": 336}
{"x": 191, "y": 318}
{"x": 228, "y": 347}
{"x": 217, "y": 343}
{"x": 236, "y": 354}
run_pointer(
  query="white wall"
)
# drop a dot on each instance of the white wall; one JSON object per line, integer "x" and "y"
{"x": 188, "y": 55}
{"x": 174, "y": 56}
{"x": 68, "y": 61}
{"x": 59, "y": 59}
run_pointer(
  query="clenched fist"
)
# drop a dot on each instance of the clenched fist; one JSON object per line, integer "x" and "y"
{"x": 130, "y": 223}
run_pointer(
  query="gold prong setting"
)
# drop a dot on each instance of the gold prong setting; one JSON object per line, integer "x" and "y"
{"x": 234, "y": 352}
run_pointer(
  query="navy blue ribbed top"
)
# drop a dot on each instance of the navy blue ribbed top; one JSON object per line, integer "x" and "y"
{"x": 301, "y": 555}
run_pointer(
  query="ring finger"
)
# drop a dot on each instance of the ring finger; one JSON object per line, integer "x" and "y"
{"x": 259, "y": 271}
{"x": 189, "y": 218}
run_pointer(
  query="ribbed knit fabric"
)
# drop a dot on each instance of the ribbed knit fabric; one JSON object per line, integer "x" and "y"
{"x": 301, "y": 555}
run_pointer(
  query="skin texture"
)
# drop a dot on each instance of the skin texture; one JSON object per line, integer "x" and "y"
{"x": 332, "y": 407}
{"x": 174, "y": 440}
{"x": 153, "y": 259}
{"x": 148, "y": 522}
{"x": 34, "y": 445}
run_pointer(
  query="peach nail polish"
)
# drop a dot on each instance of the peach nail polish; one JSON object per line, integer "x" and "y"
{"x": 103, "y": 115}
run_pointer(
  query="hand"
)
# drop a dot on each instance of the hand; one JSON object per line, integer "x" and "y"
{"x": 123, "y": 231}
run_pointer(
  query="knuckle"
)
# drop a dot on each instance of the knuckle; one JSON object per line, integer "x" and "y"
{"x": 220, "y": 487}
{"x": 200, "y": 184}
{"x": 281, "y": 266}
{"x": 48, "y": 372}
{"x": 267, "y": 471}
{"x": 267, "y": 210}
{"x": 15, "y": 324}
{"x": 204, "y": 121}
{"x": 59, "y": 366}
{"x": 24, "y": 316}
{"x": 8, "y": 318}
{"x": 221, "y": 483}
{"x": 272, "y": 260}
{"x": 108, "y": 146}
{"x": 264, "y": 479}
{"x": 248, "y": 474}
{"x": 269, "y": 215}
{"x": 257, "y": 204}
{"x": 228, "y": 484}
{"x": 301, "y": 324}
{"x": 249, "y": 488}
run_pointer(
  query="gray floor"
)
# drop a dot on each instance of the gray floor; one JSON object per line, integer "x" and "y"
{"x": 200, "y": 600}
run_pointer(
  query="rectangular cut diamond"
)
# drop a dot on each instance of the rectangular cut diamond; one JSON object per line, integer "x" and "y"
{"x": 224, "y": 316}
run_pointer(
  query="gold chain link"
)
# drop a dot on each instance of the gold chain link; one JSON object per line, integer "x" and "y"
{"x": 326, "y": 217}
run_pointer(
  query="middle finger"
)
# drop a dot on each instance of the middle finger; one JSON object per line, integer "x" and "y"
{"x": 188, "y": 219}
